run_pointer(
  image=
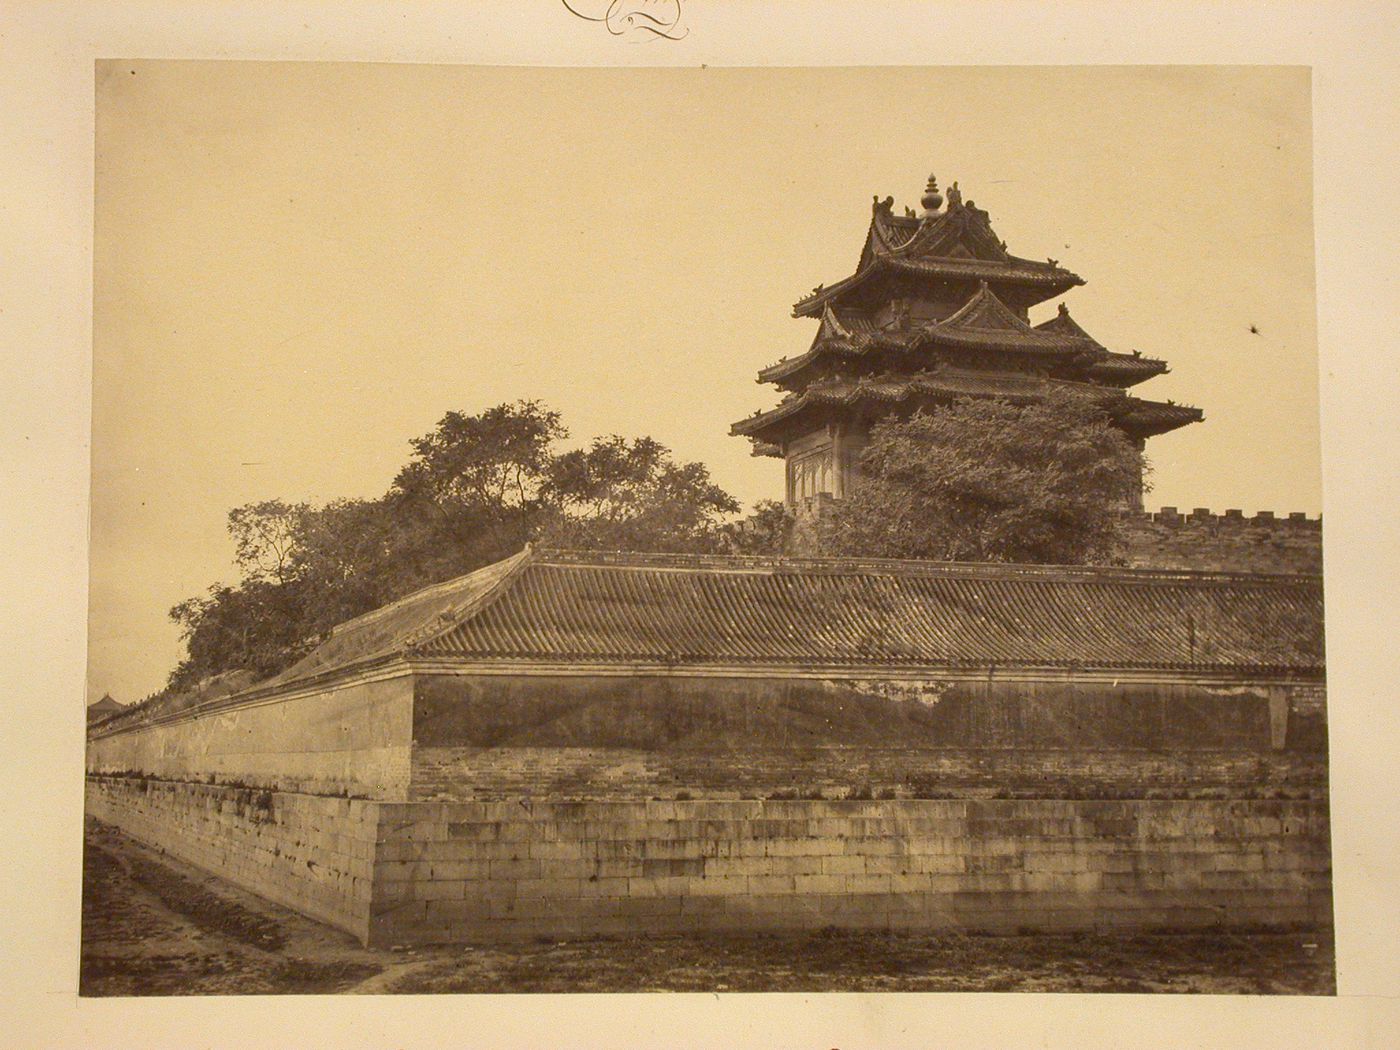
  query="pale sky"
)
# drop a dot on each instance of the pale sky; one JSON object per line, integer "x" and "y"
{"x": 299, "y": 267}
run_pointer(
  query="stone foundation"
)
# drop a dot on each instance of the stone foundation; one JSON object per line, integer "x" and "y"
{"x": 424, "y": 872}
{"x": 312, "y": 854}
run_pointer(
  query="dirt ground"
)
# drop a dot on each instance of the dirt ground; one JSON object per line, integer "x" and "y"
{"x": 154, "y": 926}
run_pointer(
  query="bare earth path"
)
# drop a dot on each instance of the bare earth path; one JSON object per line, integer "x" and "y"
{"x": 155, "y": 926}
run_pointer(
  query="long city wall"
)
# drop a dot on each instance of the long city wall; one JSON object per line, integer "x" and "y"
{"x": 712, "y": 801}
{"x": 421, "y": 872}
{"x": 986, "y": 708}
{"x": 632, "y": 736}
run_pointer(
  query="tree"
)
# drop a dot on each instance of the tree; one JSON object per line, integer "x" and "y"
{"x": 346, "y": 561}
{"x": 265, "y": 538}
{"x": 621, "y": 495}
{"x": 984, "y": 480}
{"x": 494, "y": 462}
{"x": 255, "y": 626}
{"x": 471, "y": 494}
{"x": 476, "y": 490}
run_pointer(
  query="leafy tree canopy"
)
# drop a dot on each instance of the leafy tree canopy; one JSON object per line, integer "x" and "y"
{"x": 476, "y": 489}
{"x": 984, "y": 480}
{"x": 630, "y": 495}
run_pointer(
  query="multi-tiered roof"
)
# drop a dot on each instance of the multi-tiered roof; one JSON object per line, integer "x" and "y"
{"x": 937, "y": 310}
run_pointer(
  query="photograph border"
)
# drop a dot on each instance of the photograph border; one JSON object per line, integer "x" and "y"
{"x": 50, "y": 170}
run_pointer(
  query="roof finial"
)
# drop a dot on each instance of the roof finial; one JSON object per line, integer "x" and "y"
{"x": 932, "y": 200}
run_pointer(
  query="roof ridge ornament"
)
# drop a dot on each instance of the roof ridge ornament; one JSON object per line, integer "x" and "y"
{"x": 954, "y": 196}
{"x": 932, "y": 200}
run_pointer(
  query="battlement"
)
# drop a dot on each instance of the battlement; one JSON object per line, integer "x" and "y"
{"x": 1205, "y": 516}
{"x": 1199, "y": 540}
{"x": 1232, "y": 542}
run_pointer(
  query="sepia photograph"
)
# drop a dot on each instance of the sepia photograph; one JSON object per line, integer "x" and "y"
{"x": 599, "y": 530}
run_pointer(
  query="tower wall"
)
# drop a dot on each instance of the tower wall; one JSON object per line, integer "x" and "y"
{"x": 811, "y": 466}
{"x": 824, "y": 463}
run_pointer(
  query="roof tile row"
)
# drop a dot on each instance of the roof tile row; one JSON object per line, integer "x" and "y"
{"x": 582, "y": 609}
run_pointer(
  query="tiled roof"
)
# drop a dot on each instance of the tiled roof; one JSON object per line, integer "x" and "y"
{"x": 1125, "y": 369}
{"x": 984, "y": 322}
{"x": 890, "y": 232}
{"x": 1014, "y": 270}
{"x": 207, "y": 691}
{"x": 1063, "y": 323}
{"x": 1111, "y": 367}
{"x": 1143, "y": 417}
{"x": 580, "y": 609}
{"x": 1149, "y": 418}
{"x": 391, "y": 628}
{"x": 958, "y": 245}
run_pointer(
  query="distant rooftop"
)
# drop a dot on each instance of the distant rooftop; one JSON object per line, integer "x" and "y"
{"x": 104, "y": 707}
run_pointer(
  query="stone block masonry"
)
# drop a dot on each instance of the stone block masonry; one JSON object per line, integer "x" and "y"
{"x": 310, "y": 853}
{"x": 972, "y": 747}
{"x": 430, "y": 872}
{"x": 464, "y": 871}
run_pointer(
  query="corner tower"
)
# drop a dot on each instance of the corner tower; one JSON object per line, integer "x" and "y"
{"x": 937, "y": 310}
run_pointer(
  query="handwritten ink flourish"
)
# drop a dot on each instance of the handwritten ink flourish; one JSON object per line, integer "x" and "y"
{"x": 621, "y": 17}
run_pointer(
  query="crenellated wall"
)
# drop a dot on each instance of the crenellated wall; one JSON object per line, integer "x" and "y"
{"x": 1232, "y": 541}
{"x": 1200, "y": 540}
